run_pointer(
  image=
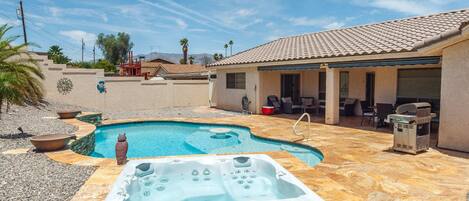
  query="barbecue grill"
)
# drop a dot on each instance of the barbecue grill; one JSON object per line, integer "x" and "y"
{"x": 412, "y": 127}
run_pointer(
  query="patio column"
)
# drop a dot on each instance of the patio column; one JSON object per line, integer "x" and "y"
{"x": 332, "y": 96}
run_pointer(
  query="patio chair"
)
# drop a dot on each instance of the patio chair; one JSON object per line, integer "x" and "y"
{"x": 288, "y": 106}
{"x": 308, "y": 103}
{"x": 382, "y": 112}
{"x": 273, "y": 101}
{"x": 245, "y": 104}
{"x": 368, "y": 113}
{"x": 347, "y": 109}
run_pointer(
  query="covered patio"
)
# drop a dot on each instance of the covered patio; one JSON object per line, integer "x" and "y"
{"x": 343, "y": 89}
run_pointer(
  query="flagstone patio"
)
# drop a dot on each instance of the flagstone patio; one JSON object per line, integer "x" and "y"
{"x": 358, "y": 164}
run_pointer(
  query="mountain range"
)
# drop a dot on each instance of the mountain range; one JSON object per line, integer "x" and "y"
{"x": 202, "y": 58}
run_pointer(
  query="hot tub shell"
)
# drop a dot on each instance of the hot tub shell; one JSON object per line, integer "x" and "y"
{"x": 227, "y": 177}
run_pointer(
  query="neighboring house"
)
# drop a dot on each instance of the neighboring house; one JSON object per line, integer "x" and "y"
{"x": 415, "y": 59}
{"x": 159, "y": 60}
{"x": 175, "y": 71}
{"x": 181, "y": 72}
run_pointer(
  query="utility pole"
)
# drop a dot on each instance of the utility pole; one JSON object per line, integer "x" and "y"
{"x": 94, "y": 54}
{"x": 82, "y": 49}
{"x": 21, "y": 13}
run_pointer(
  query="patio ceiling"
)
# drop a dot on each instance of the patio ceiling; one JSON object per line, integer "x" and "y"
{"x": 358, "y": 64}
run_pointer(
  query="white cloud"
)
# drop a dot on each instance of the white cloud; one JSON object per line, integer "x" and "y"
{"x": 9, "y": 22}
{"x": 334, "y": 25}
{"x": 325, "y": 23}
{"x": 404, "y": 6}
{"x": 245, "y": 12}
{"x": 253, "y": 22}
{"x": 186, "y": 13}
{"x": 269, "y": 24}
{"x": 410, "y": 7}
{"x": 77, "y": 35}
{"x": 197, "y": 30}
{"x": 273, "y": 37}
{"x": 58, "y": 12}
{"x": 181, "y": 23}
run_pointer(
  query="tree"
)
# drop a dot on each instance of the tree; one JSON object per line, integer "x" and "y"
{"x": 231, "y": 47}
{"x": 226, "y": 48}
{"x": 20, "y": 76}
{"x": 217, "y": 57}
{"x": 55, "y": 53}
{"x": 84, "y": 64}
{"x": 191, "y": 59}
{"x": 106, "y": 65}
{"x": 115, "y": 48}
{"x": 185, "y": 48}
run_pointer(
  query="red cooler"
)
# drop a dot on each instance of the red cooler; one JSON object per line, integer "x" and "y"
{"x": 267, "y": 110}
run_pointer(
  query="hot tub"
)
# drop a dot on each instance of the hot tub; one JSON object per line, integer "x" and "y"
{"x": 209, "y": 178}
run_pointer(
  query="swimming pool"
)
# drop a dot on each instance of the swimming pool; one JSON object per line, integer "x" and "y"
{"x": 171, "y": 138}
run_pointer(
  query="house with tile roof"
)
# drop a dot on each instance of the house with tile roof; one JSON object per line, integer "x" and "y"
{"x": 175, "y": 71}
{"x": 418, "y": 59}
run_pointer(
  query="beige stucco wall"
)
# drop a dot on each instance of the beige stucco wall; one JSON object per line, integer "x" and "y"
{"x": 123, "y": 93}
{"x": 454, "y": 126}
{"x": 230, "y": 99}
{"x": 385, "y": 85}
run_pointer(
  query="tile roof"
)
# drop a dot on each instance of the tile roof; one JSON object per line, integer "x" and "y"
{"x": 183, "y": 68}
{"x": 402, "y": 35}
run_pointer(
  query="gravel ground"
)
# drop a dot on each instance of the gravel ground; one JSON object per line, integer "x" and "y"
{"x": 33, "y": 176}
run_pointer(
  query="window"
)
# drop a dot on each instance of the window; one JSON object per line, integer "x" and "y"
{"x": 322, "y": 85}
{"x": 344, "y": 82}
{"x": 419, "y": 83}
{"x": 236, "y": 80}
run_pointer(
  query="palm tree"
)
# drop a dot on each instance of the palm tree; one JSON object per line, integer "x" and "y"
{"x": 20, "y": 77}
{"x": 55, "y": 50}
{"x": 55, "y": 53}
{"x": 191, "y": 59}
{"x": 226, "y": 48}
{"x": 231, "y": 47}
{"x": 185, "y": 47}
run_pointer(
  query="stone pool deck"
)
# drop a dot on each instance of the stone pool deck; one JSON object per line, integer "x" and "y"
{"x": 358, "y": 164}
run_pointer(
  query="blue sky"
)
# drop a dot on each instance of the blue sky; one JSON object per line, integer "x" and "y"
{"x": 157, "y": 25}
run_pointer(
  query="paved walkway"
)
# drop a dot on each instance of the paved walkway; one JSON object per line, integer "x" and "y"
{"x": 357, "y": 165}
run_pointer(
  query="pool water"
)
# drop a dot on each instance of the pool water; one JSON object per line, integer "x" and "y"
{"x": 167, "y": 138}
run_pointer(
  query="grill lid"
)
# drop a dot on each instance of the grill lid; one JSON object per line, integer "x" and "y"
{"x": 419, "y": 109}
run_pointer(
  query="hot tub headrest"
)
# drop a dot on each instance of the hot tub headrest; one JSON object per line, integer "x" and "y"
{"x": 242, "y": 161}
{"x": 144, "y": 169}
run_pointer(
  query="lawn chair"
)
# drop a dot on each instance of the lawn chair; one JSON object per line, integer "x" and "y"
{"x": 382, "y": 112}
{"x": 273, "y": 101}
{"x": 368, "y": 113}
{"x": 347, "y": 107}
{"x": 288, "y": 106}
{"x": 308, "y": 103}
{"x": 245, "y": 104}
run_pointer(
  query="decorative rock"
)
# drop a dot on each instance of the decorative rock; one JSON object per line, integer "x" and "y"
{"x": 121, "y": 149}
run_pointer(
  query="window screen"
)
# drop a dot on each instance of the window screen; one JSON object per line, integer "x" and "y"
{"x": 236, "y": 80}
{"x": 419, "y": 83}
